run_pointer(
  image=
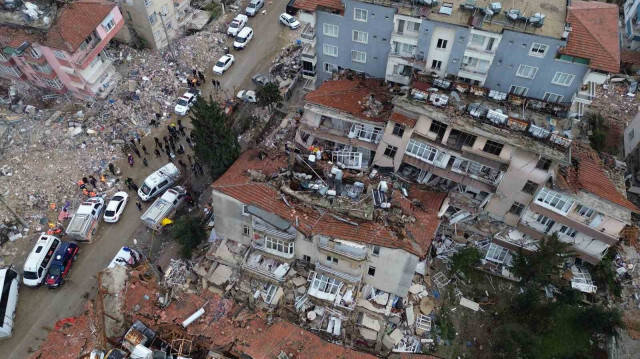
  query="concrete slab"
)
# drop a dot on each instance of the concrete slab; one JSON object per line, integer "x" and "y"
{"x": 299, "y": 281}
{"x": 221, "y": 275}
{"x": 469, "y": 304}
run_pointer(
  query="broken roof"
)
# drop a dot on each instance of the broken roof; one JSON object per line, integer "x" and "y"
{"x": 312, "y": 5}
{"x": 594, "y": 34}
{"x": 587, "y": 174}
{"x": 73, "y": 24}
{"x": 403, "y": 119}
{"x": 424, "y": 206}
{"x": 367, "y": 99}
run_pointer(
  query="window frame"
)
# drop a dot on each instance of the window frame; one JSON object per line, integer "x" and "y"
{"x": 513, "y": 89}
{"x": 59, "y": 54}
{"x": 548, "y": 95}
{"x": 362, "y": 11}
{"x": 439, "y": 62}
{"x": 544, "y": 163}
{"x": 327, "y": 46}
{"x": 354, "y": 37}
{"x": 491, "y": 146}
{"x": 147, "y": 3}
{"x": 354, "y": 56}
{"x": 530, "y": 187}
{"x": 245, "y": 230}
{"x": 324, "y": 67}
{"x": 567, "y": 231}
{"x": 522, "y": 68}
{"x": 516, "y": 208}
{"x": 332, "y": 259}
{"x": 536, "y": 52}
{"x": 398, "y": 129}
{"x": 473, "y": 37}
{"x": 556, "y": 79}
{"x": 326, "y": 27}
{"x": 375, "y": 251}
{"x": 390, "y": 151}
{"x": 551, "y": 199}
{"x": 153, "y": 16}
{"x": 371, "y": 271}
{"x": 441, "y": 44}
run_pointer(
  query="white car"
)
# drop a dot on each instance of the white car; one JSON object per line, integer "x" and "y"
{"x": 185, "y": 102}
{"x": 223, "y": 64}
{"x": 253, "y": 7}
{"x": 237, "y": 24}
{"x": 247, "y": 96}
{"x": 115, "y": 207}
{"x": 289, "y": 21}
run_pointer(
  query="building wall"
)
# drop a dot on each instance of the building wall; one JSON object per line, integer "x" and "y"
{"x": 389, "y": 139}
{"x": 451, "y": 57}
{"x": 379, "y": 26}
{"x": 229, "y": 218}
{"x": 394, "y": 271}
{"x": 136, "y": 15}
{"x": 514, "y": 50}
{"x": 631, "y": 140}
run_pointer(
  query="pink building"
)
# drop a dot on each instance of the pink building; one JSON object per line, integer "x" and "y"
{"x": 65, "y": 52}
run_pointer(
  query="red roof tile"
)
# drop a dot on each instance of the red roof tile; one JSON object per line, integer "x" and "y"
{"x": 629, "y": 57}
{"x": 73, "y": 24}
{"x": 352, "y": 96}
{"x": 587, "y": 174}
{"x": 402, "y": 119}
{"x": 594, "y": 34}
{"x": 312, "y": 5}
{"x": 424, "y": 206}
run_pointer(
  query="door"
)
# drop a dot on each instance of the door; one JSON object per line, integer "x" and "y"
{"x": 490, "y": 43}
{"x": 400, "y": 27}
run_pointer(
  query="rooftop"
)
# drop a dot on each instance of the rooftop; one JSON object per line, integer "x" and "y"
{"x": 312, "y": 5}
{"x": 587, "y": 174}
{"x": 72, "y": 25}
{"x": 594, "y": 34}
{"x": 367, "y": 99}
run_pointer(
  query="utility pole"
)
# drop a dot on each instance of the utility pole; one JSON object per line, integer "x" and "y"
{"x": 173, "y": 57}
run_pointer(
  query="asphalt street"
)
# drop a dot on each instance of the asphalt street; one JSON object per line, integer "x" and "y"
{"x": 40, "y": 308}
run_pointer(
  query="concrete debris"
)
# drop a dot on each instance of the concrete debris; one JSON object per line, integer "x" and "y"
{"x": 221, "y": 275}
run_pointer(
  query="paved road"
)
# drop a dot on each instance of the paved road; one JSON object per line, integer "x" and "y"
{"x": 40, "y": 308}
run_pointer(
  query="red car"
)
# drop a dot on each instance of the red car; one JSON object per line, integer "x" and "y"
{"x": 63, "y": 259}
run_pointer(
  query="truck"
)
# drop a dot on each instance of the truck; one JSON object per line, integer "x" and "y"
{"x": 164, "y": 207}
{"x": 84, "y": 222}
{"x": 9, "y": 282}
{"x": 158, "y": 181}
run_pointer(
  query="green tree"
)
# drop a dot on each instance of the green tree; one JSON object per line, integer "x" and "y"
{"x": 268, "y": 95}
{"x": 604, "y": 273}
{"x": 514, "y": 340}
{"x": 538, "y": 266}
{"x": 466, "y": 260}
{"x": 217, "y": 145}
{"x": 189, "y": 233}
{"x": 598, "y": 140}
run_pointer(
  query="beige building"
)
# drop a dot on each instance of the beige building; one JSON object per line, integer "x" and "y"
{"x": 153, "y": 21}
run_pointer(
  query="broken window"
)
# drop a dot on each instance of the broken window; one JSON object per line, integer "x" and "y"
{"x": 530, "y": 187}
{"x": 245, "y": 230}
{"x": 493, "y": 148}
{"x": 371, "y": 271}
{"x": 516, "y": 208}
{"x": 325, "y": 284}
{"x": 496, "y": 253}
{"x": 457, "y": 139}
{"x": 390, "y": 151}
{"x": 543, "y": 163}
{"x": 438, "y": 128}
{"x": 306, "y": 258}
{"x": 398, "y": 129}
{"x": 332, "y": 259}
{"x": 584, "y": 211}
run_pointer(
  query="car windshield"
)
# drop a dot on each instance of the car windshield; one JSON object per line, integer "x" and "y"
{"x": 117, "y": 198}
{"x": 234, "y": 25}
{"x": 145, "y": 189}
{"x": 241, "y": 39}
{"x": 182, "y": 102}
{"x": 29, "y": 275}
{"x": 220, "y": 64}
{"x": 292, "y": 20}
{"x": 109, "y": 213}
{"x": 55, "y": 270}
{"x": 253, "y": 5}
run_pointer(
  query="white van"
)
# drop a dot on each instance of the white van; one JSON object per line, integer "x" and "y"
{"x": 158, "y": 181}
{"x": 164, "y": 207}
{"x": 9, "y": 281}
{"x": 244, "y": 36}
{"x": 39, "y": 260}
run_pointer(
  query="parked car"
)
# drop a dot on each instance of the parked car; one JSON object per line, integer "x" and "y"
{"x": 116, "y": 207}
{"x": 247, "y": 96}
{"x": 85, "y": 221}
{"x": 63, "y": 259}
{"x": 260, "y": 79}
{"x": 289, "y": 21}
{"x": 185, "y": 102}
{"x": 237, "y": 24}
{"x": 290, "y": 9}
{"x": 223, "y": 64}
{"x": 253, "y": 7}
{"x": 243, "y": 38}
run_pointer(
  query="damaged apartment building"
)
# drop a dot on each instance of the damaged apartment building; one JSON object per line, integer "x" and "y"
{"x": 509, "y": 165}
{"x": 335, "y": 249}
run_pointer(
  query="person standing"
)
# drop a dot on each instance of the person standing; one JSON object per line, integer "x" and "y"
{"x": 201, "y": 76}
{"x": 144, "y": 149}
{"x": 139, "y": 205}
{"x": 167, "y": 149}
{"x": 157, "y": 152}
{"x": 144, "y": 162}
{"x": 112, "y": 169}
{"x": 136, "y": 151}
{"x": 157, "y": 142}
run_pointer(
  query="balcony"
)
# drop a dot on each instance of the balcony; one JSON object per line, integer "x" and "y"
{"x": 273, "y": 232}
{"x": 472, "y": 71}
{"x": 343, "y": 248}
{"x": 585, "y": 96}
{"x": 477, "y": 171}
{"x": 308, "y": 34}
{"x": 92, "y": 74}
{"x": 448, "y": 173}
{"x": 336, "y": 273}
{"x": 262, "y": 245}
{"x": 265, "y": 268}
{"x": 480, "y": 51}
{"x": 400, "y": 79}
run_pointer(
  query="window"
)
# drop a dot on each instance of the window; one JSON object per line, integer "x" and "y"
{"x": 424, "y": 152}
{"x": 332, "y": 259}
{"x": 398, "y": 129}
{"x": 554, "y": 200}
{"x": 435, "y": 64}
{"x": 330, "y": 50}
{"x": 441, "y": 44}
{"x": 371, "y": 271}
{"x": 518, "y": 90}
{"x": 360, "y": 14}
{"x": 543, "y": 164}
{"x": 413, "y": 26}
{"x": 245, "y": 230}
{"x": 330, "y": 30}
{"x": 375, "y": 251}
{"x": 632, "y": 134}
{"x": 46, "y": 69}
{"x": 153, "y": 18}
{"x": 359, "y": 56}
{"x": 562, "y": 79}
{"x": 360, "y": 36}
{"x": 438, "y": 128}
{"x": 496, "y": 253}
{"x": 330, "y": 68}
{"x": 538, "y": 50}
{"x": 470, "y": 61}
{"x": 401, "y": 47}
{"x": 278, "y": 245}
{"x": 325, "y": 284}
{"x": 165, "y": 10}
{"x": 390, "y": 151}
{"x": 516, "y": 208}
{"x": 147, "y": 2}
{"x": 109, "y": 25}
{"x": 526, "y": 71}
{"x": 552, "y": 97}
{"x": 493, "y": 148}
{"x": 169, "y": 25}
{"x": 157, "y": 35}
{"x": 55, "y": 83}
{"x": 245, "y": 210}
{"x": 584, "y": 211}
{"x": 34, "y": 53}
{"x": 306, "y": 258}
{"x": 545, "y": 221}
{"x": 477, "y": 39}
{"x": 568, "y": 231}
{"x": 530, "y": 187}
{"x": 59, "y": 54}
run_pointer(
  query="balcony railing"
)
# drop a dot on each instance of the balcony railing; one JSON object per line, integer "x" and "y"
{"x": 273, "y": 232}
{"x": 309, "y": 51}
{"x": 334, "y": 272}
{"x": 472, "y": 70}
{"x": 261, "y": 247}
{"x": 308, "y": 32}
{"x": 357, "y": 254}
{"x": 262, "y": 272}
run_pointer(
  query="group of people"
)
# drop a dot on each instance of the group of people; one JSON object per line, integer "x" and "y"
{"x": 197, "y": 79}
{"x": 93, "y": 182}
